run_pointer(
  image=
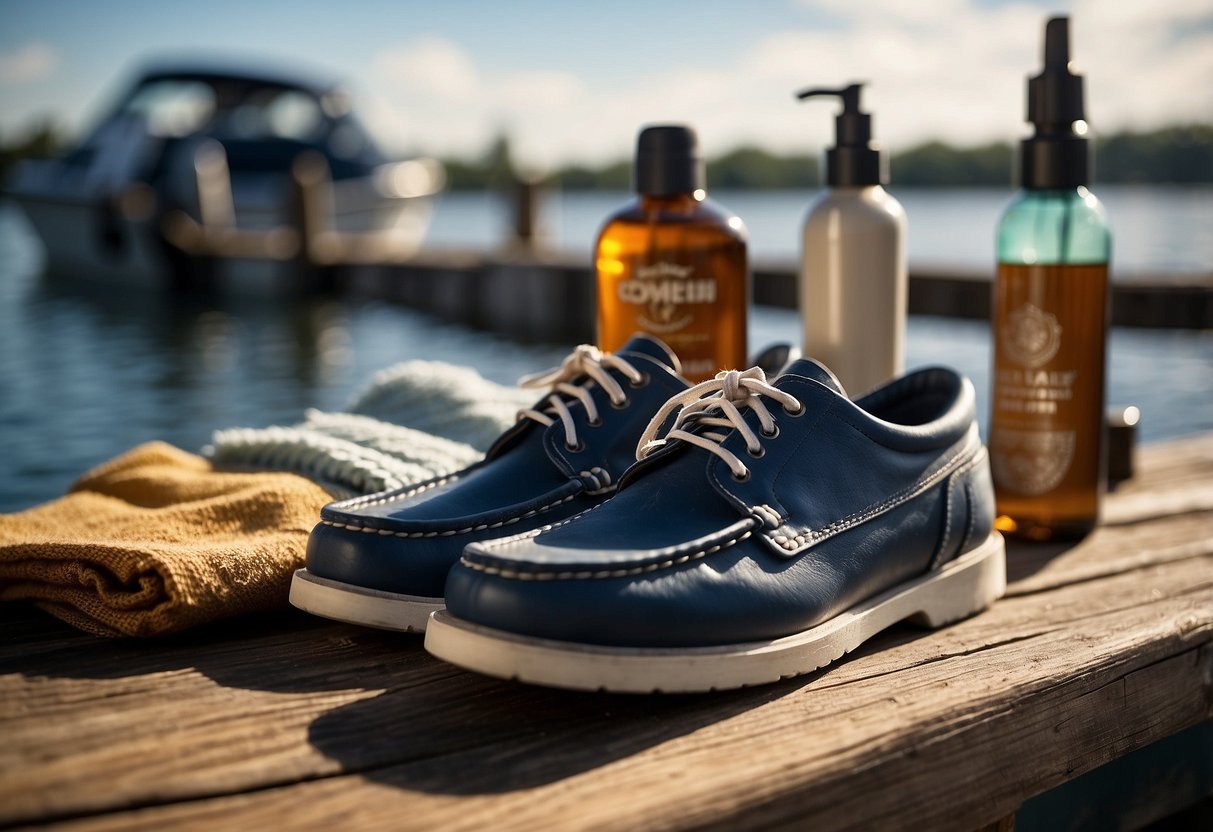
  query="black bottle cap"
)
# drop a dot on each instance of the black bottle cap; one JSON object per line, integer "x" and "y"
{"x": 1057, "y": 155}
{"x": 853, "y": 161}
{"x": 668, "y": 161}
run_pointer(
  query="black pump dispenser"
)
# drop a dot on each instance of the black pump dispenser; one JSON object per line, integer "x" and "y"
{"x": 1057, "y": 155}
{"x": 668, "y": 161}
{"x": 853, "y": 162}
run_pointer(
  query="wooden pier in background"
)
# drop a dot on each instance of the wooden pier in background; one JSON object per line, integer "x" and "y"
{"x": 547, "y": 297}
{"x": 1099, "y": 649}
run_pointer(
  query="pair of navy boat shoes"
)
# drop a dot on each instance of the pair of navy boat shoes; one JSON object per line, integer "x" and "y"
{"x": 633, "y": 532}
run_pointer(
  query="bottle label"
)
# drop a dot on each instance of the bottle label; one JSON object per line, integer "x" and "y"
{"x": 685, "y": 284}
{"x": 1048, "y": 390}
{"x": 1034, "y": 392}
{"x": 1032, "y": 462}
{"x": 1031, "y": 336}
{"x": 665, "y": 290}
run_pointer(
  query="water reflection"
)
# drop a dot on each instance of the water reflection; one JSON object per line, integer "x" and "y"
{"x": 188, "y": 342}
{"x": 87, "y": 370}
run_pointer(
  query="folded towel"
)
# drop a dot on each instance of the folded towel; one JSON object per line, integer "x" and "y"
{"x": 156, "y": 541}
{"x": 347, "y": 454}
{"x": 452, "y": 415}
{"x": 159, "y": 540}
{"x": 443, "y": 399}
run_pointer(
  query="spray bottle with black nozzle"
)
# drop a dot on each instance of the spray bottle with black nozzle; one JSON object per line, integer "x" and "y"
{"x": 1050, "y": 318}
{"x": 853, "y": 269}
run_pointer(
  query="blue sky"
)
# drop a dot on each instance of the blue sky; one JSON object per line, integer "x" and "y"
{"x": 573, "y": 81}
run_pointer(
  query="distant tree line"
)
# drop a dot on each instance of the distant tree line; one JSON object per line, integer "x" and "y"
{"x": 1174, "y": 155}
{"x": 41, "y": 140}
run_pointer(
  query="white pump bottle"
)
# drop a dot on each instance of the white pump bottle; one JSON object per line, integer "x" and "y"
{"x": 853, "y": 270}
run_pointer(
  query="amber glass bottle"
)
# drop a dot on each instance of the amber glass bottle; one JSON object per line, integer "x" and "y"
{"x": 672, "y": 263}
{"x": 1050, "y": 321}
{"x": 1046, "y": 435}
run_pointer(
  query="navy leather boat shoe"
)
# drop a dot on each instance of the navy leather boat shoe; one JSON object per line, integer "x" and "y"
{"x": 382, "y": 560}
{"x": 773, "y": 529}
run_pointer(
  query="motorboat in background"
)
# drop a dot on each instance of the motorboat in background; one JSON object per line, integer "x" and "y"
{"x": 206, "y": 176}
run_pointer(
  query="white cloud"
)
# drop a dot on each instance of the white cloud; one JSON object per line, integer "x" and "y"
{"x": 27, "y": 63}
{"x": 539, "y": 90}
{"x": 895, "y": 12}
{"x": 951, "y": 69}
{"x": 1146, "y": 64}
{"x": 957, "y": 76}
{"x": 452, "y": 106}
{"x": 430, "y": 66}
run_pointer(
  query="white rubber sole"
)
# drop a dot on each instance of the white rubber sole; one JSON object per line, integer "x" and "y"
{"x": 963, "y": 587}
{"x": 362, "y": 605}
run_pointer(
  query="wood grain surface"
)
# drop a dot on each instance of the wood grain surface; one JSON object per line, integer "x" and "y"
{"x": 1099, "y": 649}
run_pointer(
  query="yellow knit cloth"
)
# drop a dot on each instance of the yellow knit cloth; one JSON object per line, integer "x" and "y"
{"x": 156, "y": 541}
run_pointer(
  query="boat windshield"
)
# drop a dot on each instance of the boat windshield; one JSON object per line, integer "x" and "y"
{"x": 179, "y": 107}
{"x": 173, "y": 108}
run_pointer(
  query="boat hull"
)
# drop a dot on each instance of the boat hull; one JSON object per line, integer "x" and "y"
{"x": 96, "y": 240}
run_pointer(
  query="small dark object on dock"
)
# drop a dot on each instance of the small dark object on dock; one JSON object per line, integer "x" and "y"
{"x": 1122, "y": 443}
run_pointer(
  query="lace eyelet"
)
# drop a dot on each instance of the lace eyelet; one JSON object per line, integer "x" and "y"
{"x": 773, "y": 433}
{"x": 620, "y": 405}
{"x": 643, "y": 381}
{"x": 743, "y": 478}
{"x": 573, "y": 449}
{"x": 799, "y": 411}
{"x": 594, "y": 423}
{"x": 759, "y": 454}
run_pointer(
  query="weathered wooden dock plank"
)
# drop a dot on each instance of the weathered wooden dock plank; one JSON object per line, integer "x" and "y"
{"x": 933, "y": 743}
{"x": 1099, "y": 649}
{"x": 551, "y": 296}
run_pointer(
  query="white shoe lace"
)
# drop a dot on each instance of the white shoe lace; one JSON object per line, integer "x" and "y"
{"x": 585, "y": 360}
{"x": 718, "y": 402}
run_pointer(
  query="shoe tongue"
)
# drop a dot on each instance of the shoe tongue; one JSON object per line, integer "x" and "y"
{"x": 810, "y": 369}
{"x": 653, "y": 347}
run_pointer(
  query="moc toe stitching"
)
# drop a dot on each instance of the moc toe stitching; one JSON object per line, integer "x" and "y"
{"x": 617, "y": 572}
{"x": 405, "y": 541}
{"x": 440, "y": 532}
{"x": 875, "y": 513}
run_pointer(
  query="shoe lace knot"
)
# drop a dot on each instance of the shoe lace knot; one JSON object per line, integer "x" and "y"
{"x": 718, "y": 403}
{"x": 570, "y": 381}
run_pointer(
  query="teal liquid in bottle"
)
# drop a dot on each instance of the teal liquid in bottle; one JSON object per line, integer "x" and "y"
{"x": 1050, "y": 320}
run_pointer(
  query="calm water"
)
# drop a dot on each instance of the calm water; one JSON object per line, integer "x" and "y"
{"x": 1154, "y": 230}
{"x": 87, "y": 372}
